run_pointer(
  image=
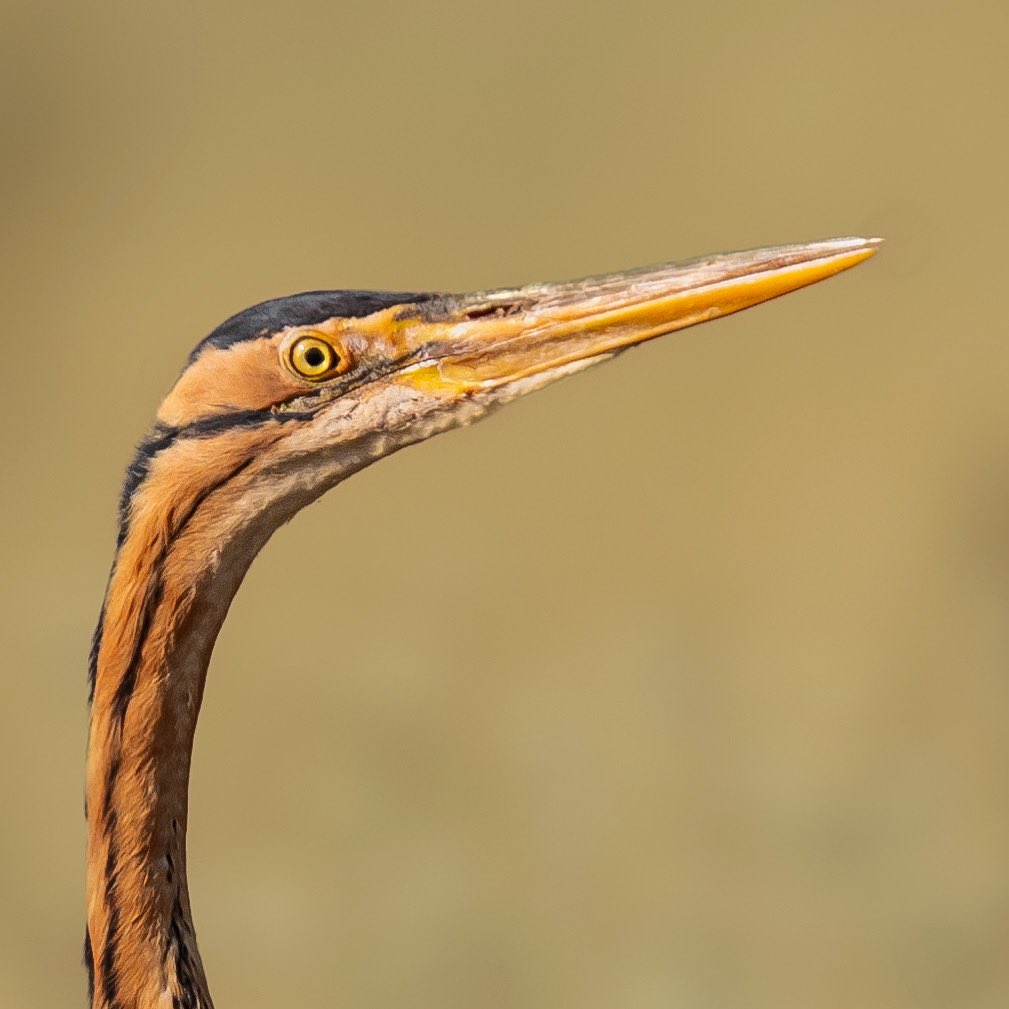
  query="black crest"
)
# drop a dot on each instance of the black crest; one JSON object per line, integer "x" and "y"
{"x": 306, "y": 309}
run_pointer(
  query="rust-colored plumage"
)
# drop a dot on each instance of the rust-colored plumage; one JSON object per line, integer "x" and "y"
{"x": 278, "y": 405}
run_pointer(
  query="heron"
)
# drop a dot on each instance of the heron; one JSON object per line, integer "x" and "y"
{"x": 276, "y": 406}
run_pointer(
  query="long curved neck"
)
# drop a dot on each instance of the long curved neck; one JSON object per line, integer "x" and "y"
{"x": 196, "y": 512}
{"x": 148, "y": 689}
{"x": 141, "y": 944}
{"x": 179, "y": 564}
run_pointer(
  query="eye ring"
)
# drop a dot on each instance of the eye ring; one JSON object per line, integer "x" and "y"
{"x": 315, "y": 358}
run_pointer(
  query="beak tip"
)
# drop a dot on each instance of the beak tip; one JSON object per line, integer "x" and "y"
{"x": 842, "y": 252}
{"x": 855, "y": 243}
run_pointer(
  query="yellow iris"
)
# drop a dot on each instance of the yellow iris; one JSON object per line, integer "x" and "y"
{"x": 315, "y": 358}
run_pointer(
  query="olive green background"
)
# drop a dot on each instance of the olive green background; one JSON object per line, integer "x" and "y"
{"x": 681, "y": 684}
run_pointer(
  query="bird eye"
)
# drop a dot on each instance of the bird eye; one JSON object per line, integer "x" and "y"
{"x": 315, "y": 358}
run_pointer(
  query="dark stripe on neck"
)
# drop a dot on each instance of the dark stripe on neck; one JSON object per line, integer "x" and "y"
{"x": 120, "y": 704}
{"x": 124, "y": 691}
{"x": 110, "y": 982}
{"x": 89, "y": 963}
{"x": 96, "y": 647}
{"x": 160, "y": 438}
{"x": 110, "y": 948}
{"x": 178, "y": 934}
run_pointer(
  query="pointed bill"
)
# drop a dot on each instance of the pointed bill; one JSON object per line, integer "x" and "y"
{"x": 493, "y": 338}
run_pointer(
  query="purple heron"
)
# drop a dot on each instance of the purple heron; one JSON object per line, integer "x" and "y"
{"x": 275, "y": 407}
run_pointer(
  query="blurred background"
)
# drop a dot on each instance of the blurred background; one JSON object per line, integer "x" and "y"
{"x": 683, "y": 683}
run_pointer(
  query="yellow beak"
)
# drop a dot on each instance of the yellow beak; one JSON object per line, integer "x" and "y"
{"x": 492, "y": 338}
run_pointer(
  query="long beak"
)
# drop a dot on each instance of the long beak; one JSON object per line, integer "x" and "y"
{"x": 494, "y": 338}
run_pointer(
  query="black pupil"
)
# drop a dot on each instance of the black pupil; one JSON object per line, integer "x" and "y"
{"x": 314, "y": 357}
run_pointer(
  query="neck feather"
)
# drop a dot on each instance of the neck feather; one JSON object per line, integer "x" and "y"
{"x": 201, "y": 510}
{"x": 191, "y": 536}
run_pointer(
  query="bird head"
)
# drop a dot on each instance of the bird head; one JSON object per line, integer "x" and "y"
{"x": 286, "y": 399}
